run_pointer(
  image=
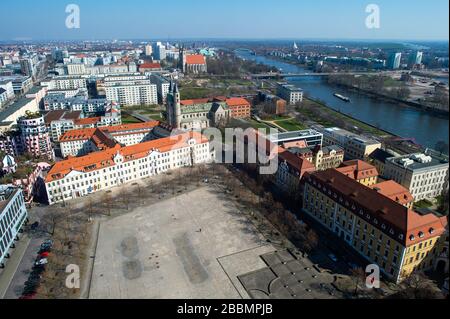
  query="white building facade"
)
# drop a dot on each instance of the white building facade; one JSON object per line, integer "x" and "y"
{"x": 82, "y": 176}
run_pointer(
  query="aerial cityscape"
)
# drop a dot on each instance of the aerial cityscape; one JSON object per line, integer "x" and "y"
{"x": 224, "y": 150}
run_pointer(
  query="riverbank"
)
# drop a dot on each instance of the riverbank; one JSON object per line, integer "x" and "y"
{"x": 332, "y": 117}
{"x": 386, "y": 98}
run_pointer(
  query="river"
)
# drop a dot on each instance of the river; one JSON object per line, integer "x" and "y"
{"x": 407, "y": 122}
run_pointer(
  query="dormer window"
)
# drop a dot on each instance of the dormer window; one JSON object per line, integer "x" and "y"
{"x": 412, "y": 238}
{"x": 383, "y": 226}
{"x": 431, "y": 231}
{"x": 400, "y": 236}
{"x": 421, "y": 234}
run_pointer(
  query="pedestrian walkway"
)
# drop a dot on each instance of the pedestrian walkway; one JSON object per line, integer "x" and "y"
{"x": 11, "y": 265}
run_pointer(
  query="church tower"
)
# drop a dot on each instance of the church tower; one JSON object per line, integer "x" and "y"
{"x": 182, "y": 59}
{"x": 174, "y": 106}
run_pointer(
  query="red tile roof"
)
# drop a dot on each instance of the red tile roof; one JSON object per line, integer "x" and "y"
{"x": 195, "y": 59}
{"x": 394, "y": 191}
{"x": 130, "y": 127}
{"x": 87, "y": 121}
{"x": 105, "y": 158}
{"x": 77, "y": 135}
{"x": 376, "y": 208}
{"x": 150, "y": 66}
{"x": 237, "y": 101}
{"x": 358, "y": 169}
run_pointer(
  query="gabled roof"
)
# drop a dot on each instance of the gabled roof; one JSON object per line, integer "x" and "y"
{"x": 398, "y": 221}
{"x": 150, "y": 66}
{"x": 105, "y": 158}
{"x": 195, "y": 59}
{"x": 394, "y": 191}
{"x": 358, "y": 169}
{"x": 237, "y": 101}
{"x": 130, "y": 127}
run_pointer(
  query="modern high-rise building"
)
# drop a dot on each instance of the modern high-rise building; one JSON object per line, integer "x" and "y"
{"x": 148, "y": 50}
{"x": 159, "y": 51}
{"x": 415, "y": 59}
{"x": 394, "y": 61}
{"x": 27, "y": 67}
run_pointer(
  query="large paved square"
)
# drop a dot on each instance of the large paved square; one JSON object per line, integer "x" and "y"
{"x": 191, "y": 246}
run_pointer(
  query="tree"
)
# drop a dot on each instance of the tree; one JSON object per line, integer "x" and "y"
{"x": 51, "y": 221}
{"x": 441, "y": 147}
{"x": 417, "y": 286}
{"x": 358, "y": 276}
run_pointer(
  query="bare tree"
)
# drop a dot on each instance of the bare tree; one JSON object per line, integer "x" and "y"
{"x": 358, "y": 277}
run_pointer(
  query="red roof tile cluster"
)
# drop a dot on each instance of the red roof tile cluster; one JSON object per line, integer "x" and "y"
{"x": 394, "y": 191}
{"x": 105, "y": 158}
{"x": 358, "y": 169}
{"x": 131, "y": 127}
{"x": 195, "y": 59}
{"x": 402, "y": 224}
{"x": 150, "y": 66}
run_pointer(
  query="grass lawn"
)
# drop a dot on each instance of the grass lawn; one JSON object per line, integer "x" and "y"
{"x": 423, "y": 204}
{"x": 198, "y": 93}
{"x": 128, "y": 119}
{"x": 291, "y": 125}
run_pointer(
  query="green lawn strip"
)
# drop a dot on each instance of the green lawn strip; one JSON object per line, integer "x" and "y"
{"x": 291, "y": 125}
{"x": 337, "y": 115}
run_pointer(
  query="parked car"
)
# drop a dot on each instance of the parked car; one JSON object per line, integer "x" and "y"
{"x": 43, "y": 261}
{"x": 333, "y": 258}
{"x": 44, "y": 254}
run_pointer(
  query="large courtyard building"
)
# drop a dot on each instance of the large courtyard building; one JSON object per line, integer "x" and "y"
{"x": 80, "y": 176}
{"x": 13, "y": 216}
{"x": 355, "y": 146}
{"x": 425, "y": 176}
{"x": 381, "y": 230}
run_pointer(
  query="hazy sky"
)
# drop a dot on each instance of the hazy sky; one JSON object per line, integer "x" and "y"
{"x": 150, "y": 19}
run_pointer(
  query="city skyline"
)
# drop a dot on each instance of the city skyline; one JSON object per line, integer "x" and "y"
{"x": 293, "y": 20}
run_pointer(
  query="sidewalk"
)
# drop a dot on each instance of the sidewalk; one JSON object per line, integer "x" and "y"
{"x": 13, "y": 263}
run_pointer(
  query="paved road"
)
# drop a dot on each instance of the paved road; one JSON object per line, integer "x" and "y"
{"x": 25, "y": 265}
